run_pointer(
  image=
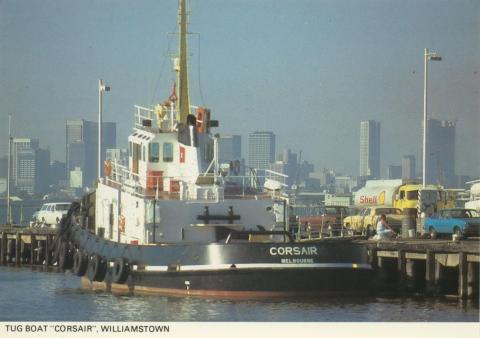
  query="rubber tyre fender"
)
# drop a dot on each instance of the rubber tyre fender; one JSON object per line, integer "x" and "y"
{"x": 80, "y": 263}
{"x": 97, "y": 268}
{"x": 65, "y": 256}
{"x": 121, "y": 270}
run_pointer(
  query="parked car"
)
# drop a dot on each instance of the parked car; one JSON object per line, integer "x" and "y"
{"x": 329, "y": 220}
{"x": 50, "y": 214}
{"x": 462, "y": 222}
{"x": 365, "y": 222}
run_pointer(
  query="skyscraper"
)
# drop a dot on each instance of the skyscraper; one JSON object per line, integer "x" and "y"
{"x": 229, "y": 148}
{"x": 261, "y": 149}
{"x": 440, "y": 152}
{"x": 81, "y": 147}
{"x": 30, "y": 166}
{"x": 394, "y": 172}
{"x": 17, "y": 145}
{"x": 370, "y": 149}
{"x": 408, "y": 167}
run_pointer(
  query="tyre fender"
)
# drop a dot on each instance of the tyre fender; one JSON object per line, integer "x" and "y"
{"x": 80, "y": 263}
{"x": 97, "y": 268}
{"x": 121, "y": 270}
{"x": 65, "y": 256}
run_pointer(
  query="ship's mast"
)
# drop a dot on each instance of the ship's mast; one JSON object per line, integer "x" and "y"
{"x": 184, "y": 97}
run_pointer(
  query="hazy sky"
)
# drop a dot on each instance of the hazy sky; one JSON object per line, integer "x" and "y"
{"x": 310, "y": 71}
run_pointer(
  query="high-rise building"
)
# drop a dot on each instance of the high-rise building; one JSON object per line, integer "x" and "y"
{"x": 440, "y": 152}
{"x": 30, "y": 166}
{"x": 4, "y": 166}
{"x": 25, "y": 172}
{"x": 17, "y": 145}
{"x": 261, "y": 149}
{"x": 408, "y": 167}
{"x": 370, "y": 149}
{"x": 82, "y": 147}
{"x": 42, "y": 171}
{"x": 394, "y": 172}
{"x": 229, "y": 148}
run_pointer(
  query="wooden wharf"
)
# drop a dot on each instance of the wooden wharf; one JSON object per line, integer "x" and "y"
{"x": 27, "y": 246}
{"x": 431, "y": 267}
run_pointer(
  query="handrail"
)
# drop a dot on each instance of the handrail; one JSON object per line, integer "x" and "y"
{"x": 259, "y": 232}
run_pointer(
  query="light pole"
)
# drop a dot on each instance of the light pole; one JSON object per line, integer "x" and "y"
{"x": 9, "y": 164}
{"x": 434, "y": 57}
{"x": 101, "y": 88}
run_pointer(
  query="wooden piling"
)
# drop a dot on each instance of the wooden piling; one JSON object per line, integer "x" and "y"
{"x": 48, "y": 243}
{"x": 410, "y": 274}
{"x": 3, "y": 248}
{"x": 373, "y": 258}
{"x": 472, "y": 280}
{"x": 462, "y": 275}
{"x": 402, "y": 273}
{"x": 33, "y": 244}
{"x": 430, "y": 284}
{"x": 18, "y": 247}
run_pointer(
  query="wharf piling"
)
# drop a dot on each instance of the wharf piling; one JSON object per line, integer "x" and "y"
{"x": 431, "y": 267}
{"x": 22, "y": 246}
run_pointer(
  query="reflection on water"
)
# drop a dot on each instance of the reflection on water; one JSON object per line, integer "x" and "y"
{"x": 28, "y": 295}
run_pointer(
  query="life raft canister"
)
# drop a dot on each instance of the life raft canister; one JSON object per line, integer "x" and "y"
{"x": 121, "y": 224}
{"x": 108, "y": 168}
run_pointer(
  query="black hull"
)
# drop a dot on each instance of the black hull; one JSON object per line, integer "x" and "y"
{"x": 237, "y": 269}
{"x": 246, "y": 284}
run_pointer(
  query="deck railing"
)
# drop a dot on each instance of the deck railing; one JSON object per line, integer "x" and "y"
{"x": 182, "y": 187}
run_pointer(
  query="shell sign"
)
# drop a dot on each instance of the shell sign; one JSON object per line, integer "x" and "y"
{"x": 373, "y": 200}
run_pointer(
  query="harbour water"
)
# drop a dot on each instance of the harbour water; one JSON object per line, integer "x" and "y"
{"x": 29, "y": 295}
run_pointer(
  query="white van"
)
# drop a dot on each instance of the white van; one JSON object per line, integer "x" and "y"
{"x": 50, "y": 214}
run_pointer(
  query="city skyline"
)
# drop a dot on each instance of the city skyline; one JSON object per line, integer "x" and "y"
{"x": 339, "y": 69}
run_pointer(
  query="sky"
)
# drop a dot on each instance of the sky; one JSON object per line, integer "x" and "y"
{"x": 308, "y": 70}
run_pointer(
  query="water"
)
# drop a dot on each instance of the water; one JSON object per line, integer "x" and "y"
{"x": 28, "y": 295}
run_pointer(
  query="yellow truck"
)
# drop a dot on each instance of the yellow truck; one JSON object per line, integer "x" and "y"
{"x": 403, "y": 194}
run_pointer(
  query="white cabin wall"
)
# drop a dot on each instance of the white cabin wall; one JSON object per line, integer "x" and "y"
{"x": 177, "y": 214}
{"x": 109, "y": 196}
{"x": 133, "y": 209}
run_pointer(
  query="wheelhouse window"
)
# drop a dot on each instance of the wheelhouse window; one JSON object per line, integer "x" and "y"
{"x": 154, "y": 152}
{"x": 167, "y": 152}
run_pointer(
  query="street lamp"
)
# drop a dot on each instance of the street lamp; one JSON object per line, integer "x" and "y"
{"x": 101, "y": 88}
{"x": 433, "y": 57}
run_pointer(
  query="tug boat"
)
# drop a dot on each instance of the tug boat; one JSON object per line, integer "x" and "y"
{"x": 173, "y": 222}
